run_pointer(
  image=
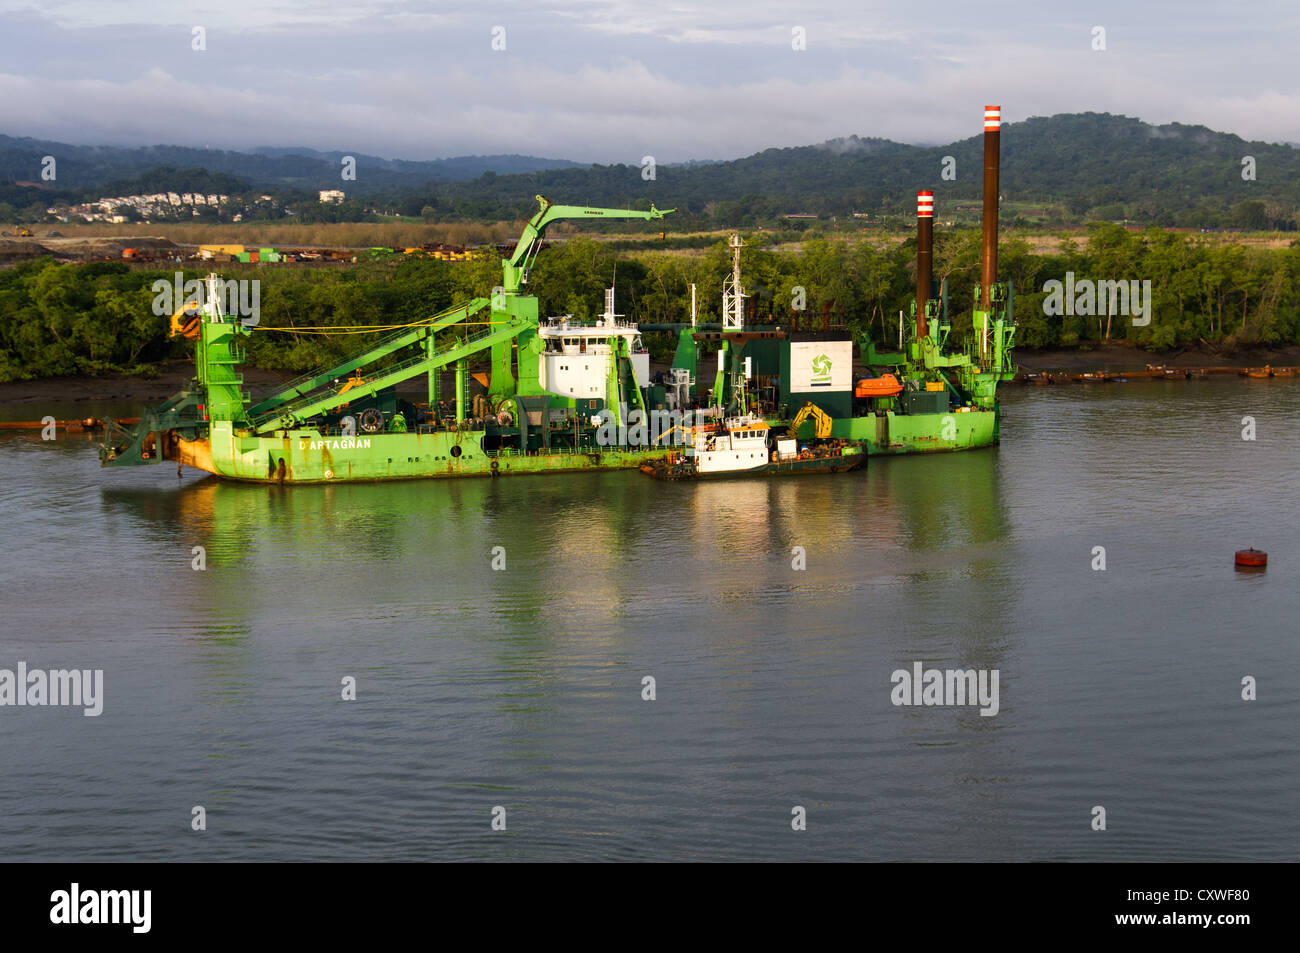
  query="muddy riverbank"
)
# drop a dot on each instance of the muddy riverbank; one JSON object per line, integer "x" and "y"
{"x": 174, "y": 375}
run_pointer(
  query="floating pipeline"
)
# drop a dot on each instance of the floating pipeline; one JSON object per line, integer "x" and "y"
{"x": 85, "y": 425}
{"x": 1152, "y": 372}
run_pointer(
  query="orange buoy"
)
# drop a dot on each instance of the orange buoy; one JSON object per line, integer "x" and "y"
{"x": 1251, "y": 559}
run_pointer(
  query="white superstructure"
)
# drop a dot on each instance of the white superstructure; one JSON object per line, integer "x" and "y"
{"x": 741, "y": 444}
{"x": 576, "y": 358}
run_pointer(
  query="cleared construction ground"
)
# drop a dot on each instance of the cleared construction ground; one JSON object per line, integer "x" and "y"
{"x": 15, "y": 250}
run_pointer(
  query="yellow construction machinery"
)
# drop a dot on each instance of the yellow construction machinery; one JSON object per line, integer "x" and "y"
{"x": 821, "y": 421}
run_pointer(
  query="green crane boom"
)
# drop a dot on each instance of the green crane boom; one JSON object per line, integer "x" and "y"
{"x": 515, "y": 268}
{"x": 403, "y": 338}
{"x": 287, "y": 415}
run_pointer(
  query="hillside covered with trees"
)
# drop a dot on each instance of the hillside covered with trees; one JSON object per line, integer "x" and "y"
{"x": 1066, "y": 168}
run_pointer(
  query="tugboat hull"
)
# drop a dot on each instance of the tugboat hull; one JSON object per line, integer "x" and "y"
{"x": 850, "y": 459}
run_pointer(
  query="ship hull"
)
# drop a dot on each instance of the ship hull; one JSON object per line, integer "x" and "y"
{"x": 890, "y": 433}
{"x": 310, "y": 457}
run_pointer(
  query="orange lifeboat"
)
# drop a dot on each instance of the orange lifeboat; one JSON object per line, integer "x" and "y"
{"x": 887, "y": 385}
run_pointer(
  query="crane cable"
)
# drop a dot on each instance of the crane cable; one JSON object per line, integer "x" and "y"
{"x": 369, "y": 328}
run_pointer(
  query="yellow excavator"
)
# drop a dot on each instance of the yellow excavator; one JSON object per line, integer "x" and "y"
{"x": 821, "y": 421}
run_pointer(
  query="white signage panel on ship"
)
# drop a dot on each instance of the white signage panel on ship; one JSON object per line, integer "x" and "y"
{"x": 821, "y": 365}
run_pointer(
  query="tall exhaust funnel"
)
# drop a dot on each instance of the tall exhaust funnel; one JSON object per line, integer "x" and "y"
{"x": 924, "y": 257}
{"x": 989, "y": 252}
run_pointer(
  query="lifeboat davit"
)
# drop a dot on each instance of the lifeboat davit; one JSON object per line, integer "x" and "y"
{"x": 887, "y": 385}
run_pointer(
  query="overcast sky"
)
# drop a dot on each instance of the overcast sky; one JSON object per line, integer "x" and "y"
{"x": 612, "y": 82}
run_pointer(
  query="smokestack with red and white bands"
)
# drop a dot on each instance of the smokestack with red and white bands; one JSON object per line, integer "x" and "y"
{"x": 989, "y": 246}
{"x": 924, "y": 256}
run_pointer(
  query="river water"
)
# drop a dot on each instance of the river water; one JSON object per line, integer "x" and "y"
{"x": 522, "y": 688}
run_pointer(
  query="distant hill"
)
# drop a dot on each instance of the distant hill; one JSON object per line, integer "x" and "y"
{"x": 1063, "y": 168}
{"x": 456, "y": 169}
{"x": 1078, "y": 166}
{"x": 89, "y": 167}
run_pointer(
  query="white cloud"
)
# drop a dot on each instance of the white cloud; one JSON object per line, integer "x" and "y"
{"x": 613, "y": 82}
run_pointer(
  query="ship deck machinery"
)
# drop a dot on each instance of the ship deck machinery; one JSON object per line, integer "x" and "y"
{"x": 538, "y": 413}
{"x": 933, "y": 394}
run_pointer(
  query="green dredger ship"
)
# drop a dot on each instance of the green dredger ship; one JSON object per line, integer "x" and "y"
{"x": 562, "y": 396}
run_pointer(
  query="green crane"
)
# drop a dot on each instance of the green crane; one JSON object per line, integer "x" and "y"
{"x": 217, "y": 392}
{"x": 514, "y": 270}
{"x": 508, "y": 304}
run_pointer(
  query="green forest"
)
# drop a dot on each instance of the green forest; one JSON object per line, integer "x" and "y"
{"x": 96, "y": 319}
